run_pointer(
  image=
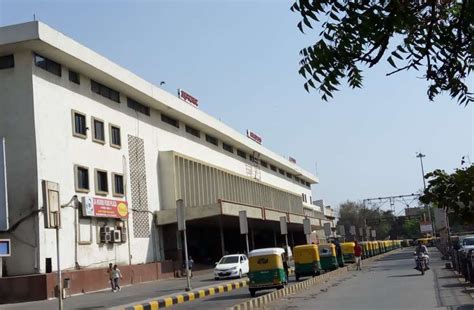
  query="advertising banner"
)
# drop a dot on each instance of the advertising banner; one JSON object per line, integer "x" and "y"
{"x": 101, "y": 207}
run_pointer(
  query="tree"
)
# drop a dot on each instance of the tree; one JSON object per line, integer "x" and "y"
{"x": 411, "y": 229}
{"x": 437, "y": 36}
{"x": 454, "y": 192}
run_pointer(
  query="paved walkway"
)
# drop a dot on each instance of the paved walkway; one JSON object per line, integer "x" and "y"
{"x": 390, "y": 283}
{"x": 129, "y": 294}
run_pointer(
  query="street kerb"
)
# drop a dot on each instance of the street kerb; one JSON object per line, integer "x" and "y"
{"x": 270, "y": 297}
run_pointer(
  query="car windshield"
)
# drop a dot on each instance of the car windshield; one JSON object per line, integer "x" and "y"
{"x": 229, "y": 260}
{"x": 468, "y": 241}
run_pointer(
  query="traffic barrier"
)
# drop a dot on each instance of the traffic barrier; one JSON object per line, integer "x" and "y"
{"x": 270, "y": 297}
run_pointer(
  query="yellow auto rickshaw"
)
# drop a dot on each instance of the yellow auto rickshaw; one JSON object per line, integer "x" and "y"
{"x": 365, "y": 249}
{"x": 348, "y": 251}
{"x": 375, "y": 246}
{"x": 266, "y": 269}
{"x": 307, "y": 262}
{"x": 381, "y": 246}
{"x": 328, "y": 258}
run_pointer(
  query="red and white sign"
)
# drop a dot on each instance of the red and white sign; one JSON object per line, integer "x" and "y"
{"x": 188, "y": 98}
{"x": 425, "y": 227}
{"x": 100, "y": 207}
{"x": 252, "y": 135}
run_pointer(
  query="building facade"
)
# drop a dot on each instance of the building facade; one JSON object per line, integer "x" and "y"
{"x": 121, "y": 151}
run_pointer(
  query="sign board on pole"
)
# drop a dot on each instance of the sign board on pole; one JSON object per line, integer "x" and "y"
{"x": 180, "y": 214}
{"x": 425, "y": 227}
{"x": 283, "y": 226}
{"x": 440, "y": 218}
{"x": 5, "y": 248}
{"x": 367, "y": 232}
{"x": 352, "y": 230}
{"x": 307, "y": 226}
{"x": 51, "y": 200}
{"x": 361, "y": 231}
{"x": 244, "y": 228}
{"x": 374, "y": 234}
{"x": 3, "y": 188}
{"x": 342, "y": 230}
{"x": 327, "y": 229}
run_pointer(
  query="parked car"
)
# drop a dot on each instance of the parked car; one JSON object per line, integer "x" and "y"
{"x": 235, "y": 265}
{"x": 466, "y": 243}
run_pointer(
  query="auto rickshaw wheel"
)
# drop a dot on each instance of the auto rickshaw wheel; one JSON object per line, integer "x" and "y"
{"x": 252, "y": 292}
{"x": 297, "y": 276}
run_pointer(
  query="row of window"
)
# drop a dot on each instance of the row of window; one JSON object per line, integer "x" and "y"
{"x": 79, "y": 129}
{"x": 305, "y": 198}
{"x": 82, "y": 184}
{"x": 114, "y": 95}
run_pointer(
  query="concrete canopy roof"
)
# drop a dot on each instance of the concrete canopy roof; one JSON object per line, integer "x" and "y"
{"x": 50, "y": 43}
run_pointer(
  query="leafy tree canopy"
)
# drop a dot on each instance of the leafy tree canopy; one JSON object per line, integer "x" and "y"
{"x": 437, "y": 37}
{"x": 454, "y": 191}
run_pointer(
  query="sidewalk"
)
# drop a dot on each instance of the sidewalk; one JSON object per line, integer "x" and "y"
{"x": 128, "y": 294}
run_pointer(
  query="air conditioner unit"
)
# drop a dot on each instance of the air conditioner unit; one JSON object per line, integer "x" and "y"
{"x": 116, "y": 236}
{"x": 123, "y": 231}
{"x": 104, "y": 234}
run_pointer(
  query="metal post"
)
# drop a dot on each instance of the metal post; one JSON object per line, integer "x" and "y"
{"x": 221, "y": 233}
{"x": 420, "y": 156}
{"x": 286, "y": 240}
{"x": 247, "y": 241}
{"x": 1, "y": 267}
{"x": 188, "y": 281}
{"x": 60, "y": 287}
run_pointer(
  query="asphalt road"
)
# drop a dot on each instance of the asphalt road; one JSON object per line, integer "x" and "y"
{"x": 390, "y": 283}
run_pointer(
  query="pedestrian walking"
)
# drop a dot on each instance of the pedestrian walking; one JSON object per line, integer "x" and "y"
{"x": 190, "y": 266}
{"x": 109, "y": 272}
{"x": 116, "y": 275}
{"x": 358, "y": 255}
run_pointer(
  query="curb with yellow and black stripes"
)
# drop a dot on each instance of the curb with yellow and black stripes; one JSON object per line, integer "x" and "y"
{"x": 268, "y": 298}
{"x": 166, "y": 302}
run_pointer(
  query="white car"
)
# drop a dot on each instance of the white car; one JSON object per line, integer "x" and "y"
{"x": 229, "y": 266}
{"x": 467, "y": 243}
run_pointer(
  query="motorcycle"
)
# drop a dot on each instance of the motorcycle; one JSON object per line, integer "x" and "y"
{"x": 421, "y": 262}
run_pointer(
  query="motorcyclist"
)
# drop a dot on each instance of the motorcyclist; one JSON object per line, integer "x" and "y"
{"x": 421, "y": 249}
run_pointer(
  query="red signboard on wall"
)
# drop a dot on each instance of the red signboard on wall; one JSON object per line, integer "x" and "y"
{"x": 101, "y": 207}
{"x": 252, "y": 135}
{"x": 188, "y": 98}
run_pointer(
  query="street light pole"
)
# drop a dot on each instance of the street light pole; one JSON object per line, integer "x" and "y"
{"x": 420, "y": 156}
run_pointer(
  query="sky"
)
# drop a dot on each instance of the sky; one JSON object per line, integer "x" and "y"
{"x": 240, "y": 59}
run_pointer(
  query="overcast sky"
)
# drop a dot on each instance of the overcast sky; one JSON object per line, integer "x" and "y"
{"x": 240, "y": 59}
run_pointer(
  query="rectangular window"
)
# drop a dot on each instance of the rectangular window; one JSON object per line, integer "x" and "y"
{"x": 193, "y": 131}
{"x": 7, "y": 61}
{"x": 297, "y": 179}
{"x": 169, "y": 120}
{"x": 79, "y": 126}
{"x": 74, "y": 77}
{"x": 242, "y": 154}
{"x": 228, "y": 147}
{"x": 307, "y": 184}
{"x": 281, "y": 171}
{"x": 105, "y": 91}
{"x": 289, "y": 175}
{"x": 115, "y": 139}
{"x": 137, "y": 106}
{"x": 118, "y": 189}
{"x": 273, "y": 168}
{"x": 101, "y": 183}
{"x": 48, "y": 65}
{"x": 212, "y": 140}
{"x": 81, "y": 175}
{"x": 98, "y": 131}
{"x": 264, "y": 164}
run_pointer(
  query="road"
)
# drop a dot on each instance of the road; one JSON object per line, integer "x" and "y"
{"x": 390, "y": 283}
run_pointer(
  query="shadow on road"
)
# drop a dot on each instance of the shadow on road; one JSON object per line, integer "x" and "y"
{"x": 454, "y": 285}
{"x": 405, "y": 275}
{"x": 397, "y": 256}
{"x": 230, "y": 297}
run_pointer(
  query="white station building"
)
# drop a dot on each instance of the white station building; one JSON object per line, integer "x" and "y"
{"x": 75, "y": 124}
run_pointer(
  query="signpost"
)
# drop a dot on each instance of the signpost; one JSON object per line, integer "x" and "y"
{"x": 3, "y": 188}
{"x": 253, "y": 136}
{"x": 244, "y": 228}
{"x": 181, "y": 218}
{"x": 101, "y": 207}
{"x": 284, "y": 229}
{"x": 374, "y": 233}
{"x": 307, "y": 229}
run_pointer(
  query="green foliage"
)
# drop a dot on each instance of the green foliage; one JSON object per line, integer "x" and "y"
{"x": 437, "y": 37}
{"x": 411, "y": 229}
{"x": 454, "y": 191}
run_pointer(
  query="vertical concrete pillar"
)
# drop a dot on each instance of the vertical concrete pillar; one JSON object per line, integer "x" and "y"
{"x": 292, "y": 240}
{"x": 274, "y": 238}
{"x": 252, "y": 240}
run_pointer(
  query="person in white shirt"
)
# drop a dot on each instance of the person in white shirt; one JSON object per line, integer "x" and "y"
{"x": 116, "y": 275}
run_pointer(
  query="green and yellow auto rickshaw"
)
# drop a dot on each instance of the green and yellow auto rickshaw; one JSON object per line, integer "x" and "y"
{"x": 307, "y": 261}
{"x": 375, "y": 246}
{"x": 327, "y": 255}
{"x": 382, "y": 246}
{"x": 266, "y": 270}
{"x": 348, "y": 251}
{"x": 365, "y": 249}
